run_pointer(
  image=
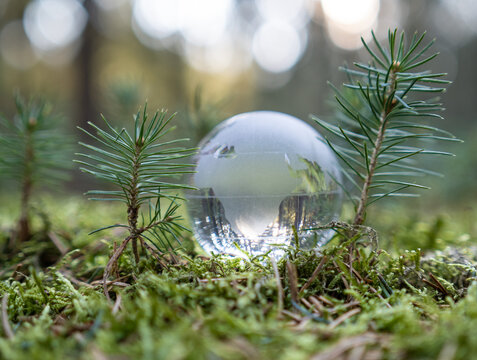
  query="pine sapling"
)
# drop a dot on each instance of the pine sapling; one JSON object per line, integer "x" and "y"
{"x": 34, "y": 152}
{"x": 140, "y": 167}
{"x": 384, "y": 126}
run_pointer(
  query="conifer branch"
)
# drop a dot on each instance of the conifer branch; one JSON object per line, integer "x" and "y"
{"x": 376, "y": 145}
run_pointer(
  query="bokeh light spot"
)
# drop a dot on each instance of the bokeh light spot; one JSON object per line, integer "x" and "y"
{"x": 276, "y": 46}
{"x": 157, "y": 18}
{"x": 53, "y": 24}
{"x": 199, "y": 22}
{"x": 347, "y": 40}
{"x": 355, "y": 16}
{"x": 292, "y": 11}
{"x": 204, "y": 22}
{"x": 229, "y": 56}
{"x": 349, "y": 20}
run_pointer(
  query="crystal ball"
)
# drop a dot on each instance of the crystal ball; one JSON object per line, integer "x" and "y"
{"x": 260, "y": 175}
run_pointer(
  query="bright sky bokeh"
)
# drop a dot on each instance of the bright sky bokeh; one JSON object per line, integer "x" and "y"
{"x": 215, "y": 36}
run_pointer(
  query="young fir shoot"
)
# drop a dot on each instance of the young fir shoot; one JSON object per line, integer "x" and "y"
{"x": 34, "y": 152}
{"x": 139, "y": 165}
{"x": 203, "y": 115}
{"x": 385, "y": 119}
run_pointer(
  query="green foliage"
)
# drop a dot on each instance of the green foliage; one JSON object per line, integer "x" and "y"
{"x": 34, "y": 152}
{"x": 384, "y": 123}
{"x": 141, "y": 167}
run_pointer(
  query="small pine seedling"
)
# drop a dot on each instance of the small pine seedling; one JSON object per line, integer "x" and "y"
{"x": 139, "y": 165}
{"x": 34, "y": 152}
{"x": 383, "y": 126}
{"x": 202, "y": 115}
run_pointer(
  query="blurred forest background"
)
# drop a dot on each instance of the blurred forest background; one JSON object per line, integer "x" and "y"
{"x": 211, "y": 59}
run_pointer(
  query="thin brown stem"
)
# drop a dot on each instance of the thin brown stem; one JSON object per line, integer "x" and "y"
{"x": 7, "y": 329}
{"x": 359, "y": 218}
{"x": 24, "y": 223}
{"x": 133, "y": 209}
{"x": 135, "y": 251}
{"x": 388, "y": 106}
{"x": 281, "y": 295}
{"x": 117, "y": 252}
{"x": 293, "y": 281}
{"x": 24, "y": 231}
{"x": 112, "y": 261}
{"x": 133, "y": 212}
{"x": 152, "y": 225}
{"x": 313, "y": 276}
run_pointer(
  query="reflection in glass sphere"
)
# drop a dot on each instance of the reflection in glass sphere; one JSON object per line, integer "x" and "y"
{"x": 260, "y": 174}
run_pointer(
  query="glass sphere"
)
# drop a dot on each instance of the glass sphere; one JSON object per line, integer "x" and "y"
{"x": 261, "y": 174}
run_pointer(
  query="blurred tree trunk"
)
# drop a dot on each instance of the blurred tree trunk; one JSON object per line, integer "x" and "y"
{"x": 85, "y": 104}
{"x": 86, "y": 88}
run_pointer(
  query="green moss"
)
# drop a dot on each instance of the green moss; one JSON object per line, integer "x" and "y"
{"x": 218, "y": 308}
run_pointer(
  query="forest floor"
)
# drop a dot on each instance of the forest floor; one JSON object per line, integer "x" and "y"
{"x": 411, "y": 296}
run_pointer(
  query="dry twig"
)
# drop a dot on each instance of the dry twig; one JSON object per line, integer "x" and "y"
{"x": 279, "y": 286}
{"x": 347, "y": 344}
{"x": 315, "y": 274}
{"x": 117, "y": 304}
{"x": 344, "y": 317}
{"x": 5, "y": 323}
{"x": 293, "y": 281}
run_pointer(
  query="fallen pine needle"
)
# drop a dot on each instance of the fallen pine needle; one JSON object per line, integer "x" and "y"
{"x": 344, "y": 317}
{"x": 279, "y": 287}
{"x": 347, "y": 344}
{"x": 5, "y": 323}
{"x": 314, "y": 275}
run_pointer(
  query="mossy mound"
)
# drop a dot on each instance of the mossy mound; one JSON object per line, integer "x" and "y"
{"x": 373, "y": 304}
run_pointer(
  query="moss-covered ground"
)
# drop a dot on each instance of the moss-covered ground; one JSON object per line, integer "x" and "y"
{"x": 412, "y": 297}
